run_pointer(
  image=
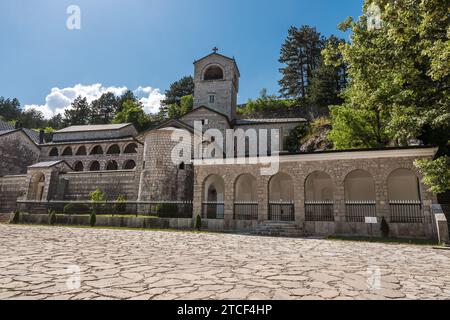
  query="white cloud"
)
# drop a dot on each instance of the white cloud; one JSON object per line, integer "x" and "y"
{"x": 59, "y": 100}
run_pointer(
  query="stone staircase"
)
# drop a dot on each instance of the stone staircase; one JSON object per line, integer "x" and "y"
{"x": 278, "y": 229}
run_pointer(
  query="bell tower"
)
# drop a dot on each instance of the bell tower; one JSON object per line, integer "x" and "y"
{"x": 216, "y": 79}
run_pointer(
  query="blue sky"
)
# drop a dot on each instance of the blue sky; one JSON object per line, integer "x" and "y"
{"x": 144, "y": 45}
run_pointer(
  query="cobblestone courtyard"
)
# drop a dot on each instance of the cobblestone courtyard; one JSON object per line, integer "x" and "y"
{"x": 40, "y": 263}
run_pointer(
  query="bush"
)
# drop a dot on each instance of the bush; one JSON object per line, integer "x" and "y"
{"x": 198, "y": 222}
{"x": 167, "y": 209}
{"x": 71, "y": 208}
{"x": 52, "y": 218}
{"x": 16, "y": 217}
{"x": 97, "y": 197}
{"x": 384, "y": 228}
{"x": 93, "y": 219}
{"x": 120, "y": 206}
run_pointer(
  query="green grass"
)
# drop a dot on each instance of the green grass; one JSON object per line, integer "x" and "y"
{"x": 420, "y": 242}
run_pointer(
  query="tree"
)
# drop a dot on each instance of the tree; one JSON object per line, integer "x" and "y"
{"x": 300, "y": 53}
{"x": 437, "y": 173}
{"x": 56, "y": 122}
{"x": 10, "y": 109}
{"x": 79, "y": 113}
{"x": 399, "y": 75}
{"x": 178, "y": 90}
{"x": 177, "y": 110}
{"x": 32, "y": 118}
{"x": 104, "y": 108}
{"x": 328, "y": 81}
{"x": 133, "y": 112}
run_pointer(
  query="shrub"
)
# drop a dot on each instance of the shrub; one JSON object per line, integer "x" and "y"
{"x": 16, "y": 217}
{"x": 167, "y": 210}
{"x": 120, "y": 206}
{"x": 52, "y": 218}
{"x": 71, "y": 208}
{"x": 93, "y": 219}
{"x": 384, "y": 228}
{"x": 97, "y": 197}
{"x": 198, "y": 222}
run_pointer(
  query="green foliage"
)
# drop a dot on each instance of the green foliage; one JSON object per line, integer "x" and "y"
{"x": 104, "y": 108}
{"x": 16, "y": 217}
{"x": 436, "y": 173}
{"x": 355, "y": 128}
{"x": 198, "y": 222}
{"x": 133, "y": 112}
{"x": 98, "y": 198}
{"x": 120, "y": 205}
{"x": 52, "y": 218}
{"x": 10, "y": 109}
{"x": 184, "y": 106}
{"x": 174, "y": 96}
{"x": 72, "y": 208}
{"x": 79, "y": 113}
{"x": 93, "y": 219}
{"x": 384, "y": 228}
{"x": 399, "y": 76}
{"x": 266, "y": 104}
{"x": 293, "y": 141}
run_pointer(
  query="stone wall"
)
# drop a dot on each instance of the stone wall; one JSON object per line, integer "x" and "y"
{"x": 380, "y": 164}
{"x": 113, "y": 183}
{"x": 17, "y": 152}
{"x": 11, "y": 188}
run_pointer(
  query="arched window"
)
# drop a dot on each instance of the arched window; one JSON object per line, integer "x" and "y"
{"x": 114, "y": 149}
{"x": 112, "y": 165}
{"x": 245, "y": 188}
{"x": 67, "y": 151}
{"x": 403, "y": 185}
{"x": 95, "y": 166}
{"x": 131, "y": 148}
{"x": 319, "y": 196}
{"x": 359, "y": 196}
{"x": 53, "y": 152}
{"x": 281, "y": 198}
{"x": 81, "y": 151}
{"x": 97, "y": 150}
{"x": 213, "y": 73}
{"x": 214, "y": 195}
{"x": 359, "y": 186}
{"x": 129, "y": 165}
{"x": 78, "y": 166}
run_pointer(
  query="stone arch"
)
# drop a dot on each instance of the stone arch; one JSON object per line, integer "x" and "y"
{"x": 112, "y": 165}
{"x": 359, "y": 185}
{"x": 113, "y": 149}
{"x": 319, "y": 187}
{"x": 94, "y": 166}
{"x": 81, "y": 151}
{"x": 37, "y": 186}
{"x": 130, "y": 148}
{"x": 245, "y": 188}
{"x": 214, "y": 188}
{"x": 67, "y": 151}
{"x": 403, "y": 184}
{"x": 213, "y": 72}
{"x": 97, "y": 150}
{"x": 281, "y": 188}
{"x": 129, "y": 165}
{"x": 53, "y": 152}
{"x": 78, "y": 166}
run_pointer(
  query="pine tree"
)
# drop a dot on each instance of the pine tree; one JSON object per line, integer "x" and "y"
{"x": 79, "y": 113}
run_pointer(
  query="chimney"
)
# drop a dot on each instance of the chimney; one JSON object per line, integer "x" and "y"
{"x": 41, "y": 136}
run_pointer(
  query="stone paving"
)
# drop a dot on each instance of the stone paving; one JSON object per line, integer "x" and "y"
{"x": 48, "y": 263}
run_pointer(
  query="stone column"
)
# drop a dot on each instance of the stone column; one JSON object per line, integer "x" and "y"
{"x": 228, "y": 201}
{"x": 263, "y": 198}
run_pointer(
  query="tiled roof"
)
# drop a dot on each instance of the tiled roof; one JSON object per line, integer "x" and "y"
{"x": 274, "y": 120}
{"x": 32, "y": 134}
{"x": 46, "y": 164}
{"x": 5, "y": 126}
{"x": 94, "y": 127}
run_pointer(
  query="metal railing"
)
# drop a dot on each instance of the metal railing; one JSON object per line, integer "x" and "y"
{"x": 281, "y": 211}
{"x": 213, "y": 210}
{"x": 406, "y": 211}
{"x": 245, "y": 211}
{"x": 319, "y": 211}
{"x": 357, "y": 211}
{"x": 160, "y": 209}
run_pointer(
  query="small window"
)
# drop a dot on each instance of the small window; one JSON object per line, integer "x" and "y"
{"x": 182, "y": 166}
{"x": 212, "y": 99}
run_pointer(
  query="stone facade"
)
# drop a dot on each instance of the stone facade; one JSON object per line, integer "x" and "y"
{"x": 17, "y": 152}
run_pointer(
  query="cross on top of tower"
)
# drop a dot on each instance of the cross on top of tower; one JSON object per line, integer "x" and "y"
{"x": 215, "y": 49}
